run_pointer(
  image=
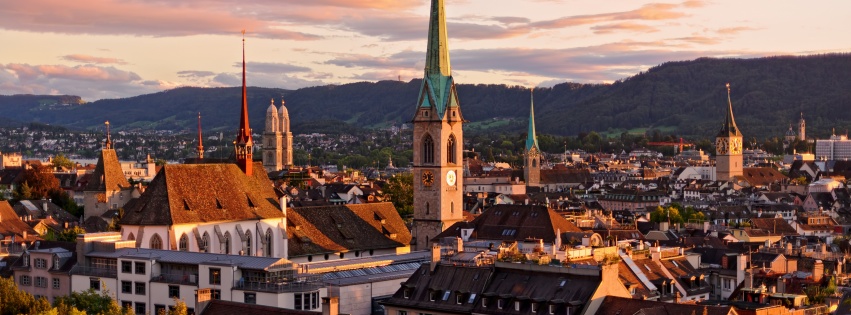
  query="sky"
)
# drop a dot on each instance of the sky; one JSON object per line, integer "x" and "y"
{"x": 120, "y": 48}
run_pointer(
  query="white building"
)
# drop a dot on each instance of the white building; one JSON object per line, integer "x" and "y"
{"x": 838, "y": 147}
{"x": 148, "y": 280}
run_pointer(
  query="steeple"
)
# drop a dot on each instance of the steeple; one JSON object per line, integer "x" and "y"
{"x": 244, "y": 144}
{"x": 531, "y": 137}
{"x": 437, "y": 55}
{"x": 729, "y": 128}
{"x": 200, "y": 140}
{"x": 108, "y": 143}
{"x": 438, "y": 89}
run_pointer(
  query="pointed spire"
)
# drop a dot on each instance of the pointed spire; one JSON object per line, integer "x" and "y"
{"x": 244, "y": 144}
{"x": 108, "y": 143}
{"x": 200, "y": 140}
{"x": 437, "y": 55}
{"x": 531, "y": 137}
{"x": 729, "y": 128}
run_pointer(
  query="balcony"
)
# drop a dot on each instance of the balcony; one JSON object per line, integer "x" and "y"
{"x": 95, "y": 272}
{"x": 185, "y": 279}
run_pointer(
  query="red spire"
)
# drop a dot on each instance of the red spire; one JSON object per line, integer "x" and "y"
{"x": 200, "y": 140}
{"x": 244, "y": 144}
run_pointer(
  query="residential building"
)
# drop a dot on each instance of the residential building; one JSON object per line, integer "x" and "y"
{"x": 44, "y": 270}
{"x": 837, "y": 147}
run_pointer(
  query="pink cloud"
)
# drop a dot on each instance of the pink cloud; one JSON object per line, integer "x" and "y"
{"x": 85, "y": 73}
{"x": 625, "y": 26}
{"x": 734, "y": 30}
{"x": 93, "y": 59}
{"x": 647, "y": 12}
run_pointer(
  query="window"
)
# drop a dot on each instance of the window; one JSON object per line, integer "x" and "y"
{"x": 450, "y": 150}
{"x": 41, "y": 282}
{"x": 401, "y": 312}
{"x": 216, "y": 294}
{"x": 174, "y": 291}
{"x": 94, "y": 284}
{"x": 56, "y": 283}
{"x": 248, "y": 243}
{"x": 159, "y": 309}
{"x": 184, "y": 243}
{"x": 140, "y": 267}
{"x": 552, "y": 309}
{"x": 140, "y": 288}
{"x": 428, "y": 150}
{"x": 534, "y": 307}
{"x": 56, "y": 262}
{"x": 140, "y": 308}
{"x": 306, "y": 301}
{"x": 459, "y": 299}
{"x": 25, "y": 280}
{"x": 127, "y": 287}
{"x": 156, "y": 242}
{"x": 126, "y": 267}
{"x": 499, "y": 303}
{"x": 517, "y": 306}
{"x": 205, "y": 243}
{"x": 226, "y": 244}
{"x": 215, "y": 276}
{"x": 41, "y": 263}
{"x": 269, "y": 243}
{"x": 250, "y": 298}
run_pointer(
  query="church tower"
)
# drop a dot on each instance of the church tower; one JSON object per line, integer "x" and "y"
{"x": 802, "y": 128}
{"x": 728, "y": 147}
{"x": 438, "y": 140}
{"x": 532, "y": 156}
{"x": 244, "y": 143}
{"x": 272, "y": 140}
{"x": 286, "y": 142}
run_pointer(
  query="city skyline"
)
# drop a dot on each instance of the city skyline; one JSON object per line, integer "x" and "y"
{"x": 110, "y": 49}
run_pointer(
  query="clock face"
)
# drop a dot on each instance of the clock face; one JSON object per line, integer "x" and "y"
{"x": 450, "y": 178}
{"x": 737, "y": 146}
{"x": 428, "y": 178}
{"x": 721, "y": 146}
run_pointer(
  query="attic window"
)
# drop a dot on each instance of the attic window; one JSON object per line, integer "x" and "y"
{"x": 446, "y": 295}
{"x": 219, "y": 204}
{"x": 425, "y": 113}
{"x": 562, "y": 283}
{"x": 186, "y": 205}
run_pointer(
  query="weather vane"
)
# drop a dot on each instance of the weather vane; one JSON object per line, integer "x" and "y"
{"x": 728, "y": 88}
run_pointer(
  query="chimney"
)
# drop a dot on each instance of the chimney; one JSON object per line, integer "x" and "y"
{"x": 781, "y": 285}
{"x": 748, "y": 279}
{"x": 459, "y": 245}
{"x": 202, "y": 300}
{"x": 677, "y": 297}
{"x": 818, "y": 270}
{"x": 435, "y": 256}
{"x": 285, "y": 251}
{"x": 330, "y": 305}
{"x": 655, "y": 253}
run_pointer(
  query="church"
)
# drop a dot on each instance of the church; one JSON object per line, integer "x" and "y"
{"x": 233, "y": 208}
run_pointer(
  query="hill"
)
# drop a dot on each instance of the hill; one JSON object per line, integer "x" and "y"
{"x": 685, "y": 97}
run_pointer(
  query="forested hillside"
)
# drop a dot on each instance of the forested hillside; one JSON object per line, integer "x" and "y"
{"x": 685, "y": 98}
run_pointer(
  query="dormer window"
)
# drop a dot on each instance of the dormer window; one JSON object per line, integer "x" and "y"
{"x": 517, "y": 306}
{"x": 552, "y": 309}
{"x": 500, "y": 303}
{"x": 534, "y": 307}
{"x": 406, "y": 293}
{"x": 55, "y": 262}
{"x": 26, "y": 260}
{"x": 459, "y": 298}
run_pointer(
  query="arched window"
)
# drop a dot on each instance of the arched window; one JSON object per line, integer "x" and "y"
{"x": 248, "y": 243}
{"x": 131, "y": 237}
{"x": 428, "y": 150}
{"x": 156, "y": 242}
{"x": 534, "y": 162}
{"x": 204, "y": 247}
{"x": 184, "y": 243}
{"x": 427, "y": 209}
{"x": 226, "y": 244}
{"x": 269, "y": 243}
{"x": 452, "y": 207}
{"x": 450, "y": 150}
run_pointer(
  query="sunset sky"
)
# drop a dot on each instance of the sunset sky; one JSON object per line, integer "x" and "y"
{"x": 119, "y": 48}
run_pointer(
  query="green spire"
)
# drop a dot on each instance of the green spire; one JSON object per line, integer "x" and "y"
{"x": 531, "y": 137}
{"x": 438, "y": 88}
{"x": 729, "y": 128}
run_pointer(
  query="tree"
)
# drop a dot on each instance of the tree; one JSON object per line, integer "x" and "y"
{"x": 68, "y": 235}
{"x": 62, "y": 199}
{"x": 14, "y": 301}
{"x": 40, "y": 181}
{"x": 400, "y": 187}
{"x": 93, "y": 302}
{"x": 60, "y": 160}
{"x": 178, "y": 309}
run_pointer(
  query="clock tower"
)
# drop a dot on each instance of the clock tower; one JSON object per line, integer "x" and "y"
{"x": 728, "y": 147}
{"x": 438, "y": 140}
{"x": 532, "y": 153}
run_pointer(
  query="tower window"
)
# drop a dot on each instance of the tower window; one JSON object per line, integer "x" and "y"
{"x": 428, "y": 150}
{"x": 450, "y": 149}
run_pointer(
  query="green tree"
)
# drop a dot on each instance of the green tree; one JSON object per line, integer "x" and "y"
{"x": 93, "y": 303}
{"x": 68, "y": 235}
{"x": 400, "y": 188}
{"x": 60, "y": 160}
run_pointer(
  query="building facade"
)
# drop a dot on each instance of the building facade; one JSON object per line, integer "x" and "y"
{"x": 837, "y": 148}
{"x": 438, "y": 140}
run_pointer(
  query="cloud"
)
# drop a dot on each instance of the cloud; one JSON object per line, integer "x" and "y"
{"x": 735, "y": 30}
{"x": 82, "y": 73}
{"x": 647, "y": 12}
{"x": 113, "y": 17}
{"x": 93, "y": 59}
{"x": 271, "y": 67}
{"x": 195, "y": 74}
{"x": 703, "y": 40}
{"x": 625, "y": 26}
{"x": 88, "y": 81}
